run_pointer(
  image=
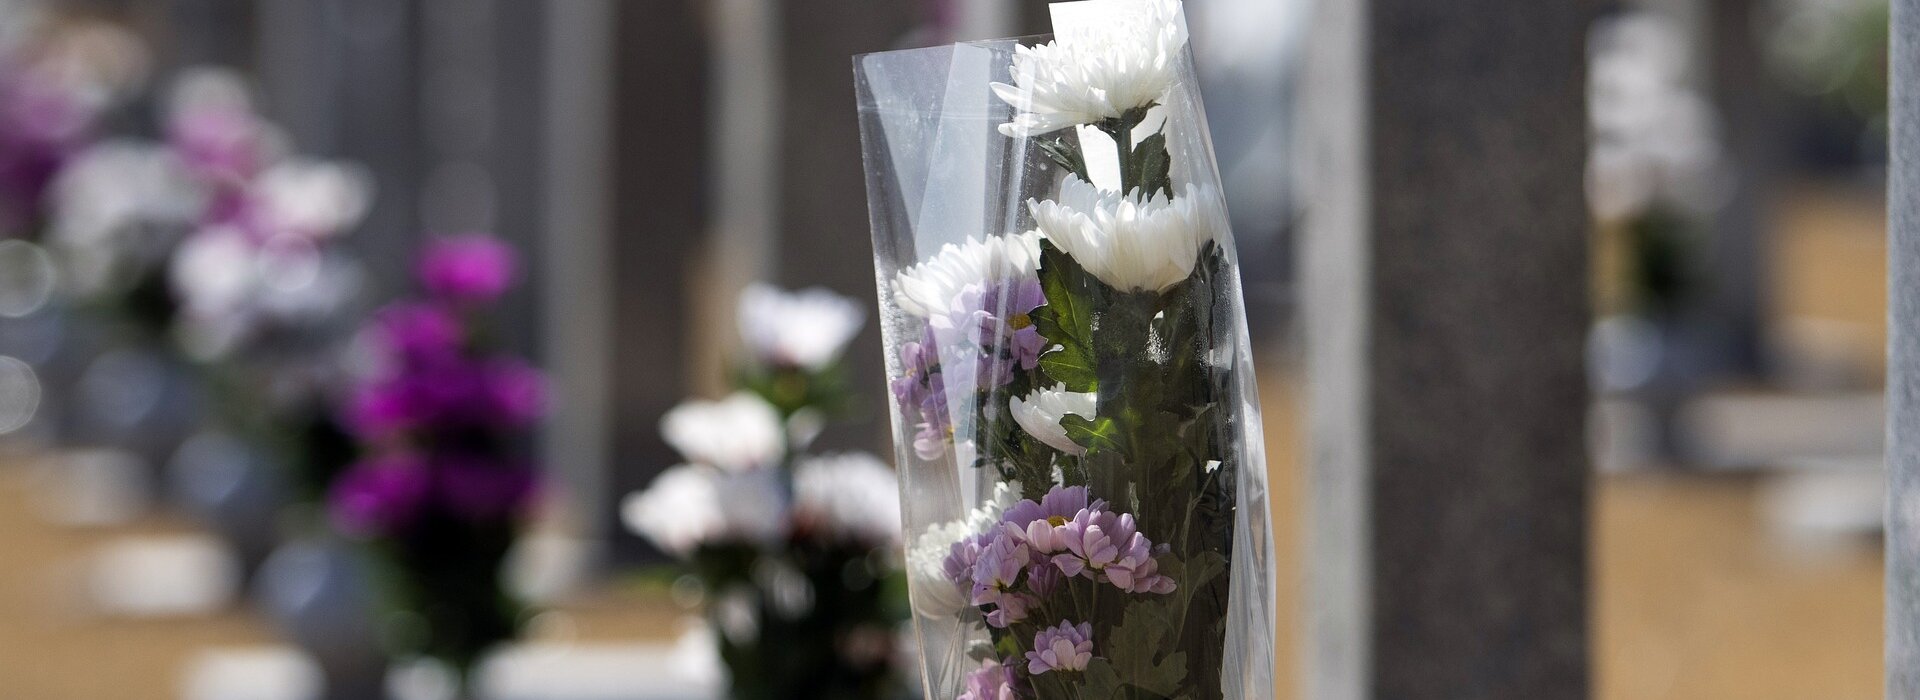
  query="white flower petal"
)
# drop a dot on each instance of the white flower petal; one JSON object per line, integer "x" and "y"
{"x": 1131, "y": 243}
{"x": 1040, "y": 412}
{"x": 806, "y": 329}
{"x": 1100, "y": 71}
{"x": 854, "y": 493}
{"x": 693, "y": 505}
{"x": 928, "y": 289}
{"x": 738, "y": 433}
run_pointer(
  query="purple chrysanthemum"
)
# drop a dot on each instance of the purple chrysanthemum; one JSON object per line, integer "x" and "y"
{"x": 999, "y": 566}
{"x": 995, "y": 576}
{"x": 1043, "y": 523}
{"x": 1064, "y": 647}
{"x": 993, "y": 681}
{"x": 1108, "y": 547}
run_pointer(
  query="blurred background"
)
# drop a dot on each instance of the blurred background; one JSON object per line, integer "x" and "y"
{"x": 650, "y": 160}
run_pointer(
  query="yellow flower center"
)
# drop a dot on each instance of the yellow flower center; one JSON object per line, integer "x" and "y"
{"x": 1056, "y": 520}
{"x": 1019, "y": 321}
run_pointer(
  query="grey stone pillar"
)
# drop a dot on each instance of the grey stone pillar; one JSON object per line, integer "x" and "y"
{"x": 1445, "y": 269}
{"x": 659, "y": 205}
{"x": 1903, "y": 363}
{"x": 216, "y": 32}
{"x": 343, "y": 77}
{"x": 1736, "y": 256}
{"x": 823, "y": 237}
{"x": 577, "y": 297}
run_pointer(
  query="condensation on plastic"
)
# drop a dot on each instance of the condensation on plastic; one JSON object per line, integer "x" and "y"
{"x": 940, "y": 173}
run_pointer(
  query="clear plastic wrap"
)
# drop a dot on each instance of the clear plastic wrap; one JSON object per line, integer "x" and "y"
{"x": 1076, "y": 417}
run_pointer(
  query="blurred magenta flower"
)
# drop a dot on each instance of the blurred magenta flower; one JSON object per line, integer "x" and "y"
{"x": 380, "y": 497}
{"x": 468, "y": 269}
{"x": 418, "y": 332}
{"x": 483, "y": 489}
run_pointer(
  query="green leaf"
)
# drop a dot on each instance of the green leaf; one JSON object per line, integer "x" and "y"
{"x": 1067, "y": 319}
{"x": 1150, "y": 167}
{"x": 1136, "y": 650}
{"x": 1102, "y": 683}
{"x": 1070, "y": 366}
{"x": 1066, "y": 152}
{"x": 1100, "y": 435}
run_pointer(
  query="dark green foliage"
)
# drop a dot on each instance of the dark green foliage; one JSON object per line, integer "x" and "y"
{"x": 802, "y": 654}
{"x": 446, "y": 570}
{"x": 1161, "y": 420}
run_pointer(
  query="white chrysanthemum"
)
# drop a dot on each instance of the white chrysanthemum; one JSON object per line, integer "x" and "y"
{"x": 738, "y": 433}
{"x": 313, "y": 199}
{"x": 929, "y": 288}
{"x": 854, "y": 493}
{"x": 806, "y": 329}
{"x": 1124, "y": 62}
{"x": 1039, "y": 413}
{"x": 1132, "y": 243}
{"x": 692, "y": 505}
{"x": 934, "y": 595}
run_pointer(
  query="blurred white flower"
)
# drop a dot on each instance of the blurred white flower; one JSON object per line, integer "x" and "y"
{"x": 107, "y": 203}
{"x": 691, "y": 505}
{"x": 230, "y": 284}
{"x": 741, "y": 432}
{"x": 930, "y": 288}
{"x": 215, "y": 271}
{"x": 1655, "y": 137}
{"x": 118, "y": 184}
{"x": 311, "y": 198}
{"x": 1040, "y": 412}
{"x": 854, "y": 493}
{"x": 1130, "y": 242}
{"x": 806, "y": 329}
{"x": 207, "y": 87}
{"x": 1125, "y": 61}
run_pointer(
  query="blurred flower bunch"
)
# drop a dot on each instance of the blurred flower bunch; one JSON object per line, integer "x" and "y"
{"x": 795, "y": 553}
{"x": 216, "y": 237}
{"x": 58, "y": 79}
{"x": 443, "y": 419}
{"x": 1656, "y": 167}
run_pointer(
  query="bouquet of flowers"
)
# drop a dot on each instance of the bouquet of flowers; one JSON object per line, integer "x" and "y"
{"x": 1074, "y": 399}
{"x": 794, "y": 553}
{"x": 1656, "y": 171}
{"x": 215, "y": 237}
{"x": 444, "y": 480}
{"x": 58, "y": 78}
